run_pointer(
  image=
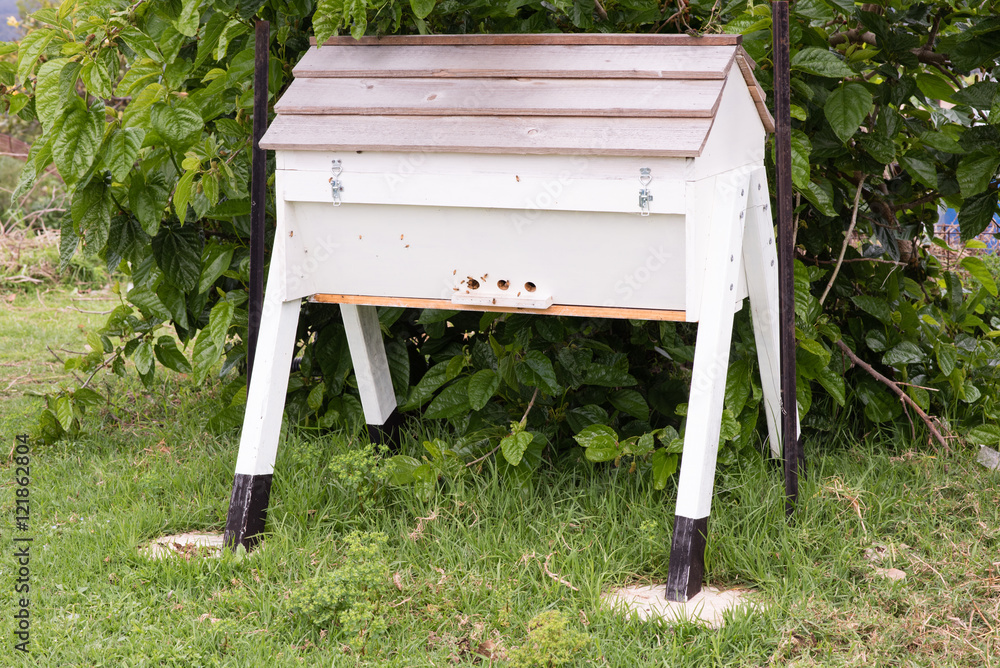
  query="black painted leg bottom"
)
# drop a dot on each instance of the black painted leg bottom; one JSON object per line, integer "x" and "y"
{"x": 388, "y": 433}
{"x": 687, "y": 558}
{"x": 247, "y": 510}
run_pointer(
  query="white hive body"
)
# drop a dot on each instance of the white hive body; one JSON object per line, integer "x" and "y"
{"x": 590, "y": 175}
{"x": 467, "y": 157}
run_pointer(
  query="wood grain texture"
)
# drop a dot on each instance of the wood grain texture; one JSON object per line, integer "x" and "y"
{"x": 266, "y": 398}
{"x": 531, "y": 60}
{"x": 654, "y": 137}
{"x": 636, "y": 98}
{"x": 555, "y": 309}
{"x": 537, "y": 38}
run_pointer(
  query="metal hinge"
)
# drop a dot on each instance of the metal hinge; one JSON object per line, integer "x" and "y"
{"x": 336, "y": 185}
{"x": 645, "y": 196}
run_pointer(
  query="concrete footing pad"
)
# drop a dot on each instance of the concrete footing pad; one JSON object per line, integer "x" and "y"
{"x": 184, "y": 545}
{"x": 708, "y": 607}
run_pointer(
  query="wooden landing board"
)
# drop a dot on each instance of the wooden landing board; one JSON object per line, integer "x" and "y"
{"x": 652, "y": 137}
{"x": 555, "y": 309}
{"x": 635, "y": 98}
{"x": 530, "y": 60}
{"x": 538, "y": 38}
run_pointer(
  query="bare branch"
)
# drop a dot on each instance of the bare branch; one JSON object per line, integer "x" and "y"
{"x": 903, "y": 396}
{"x": 847, "y": 239}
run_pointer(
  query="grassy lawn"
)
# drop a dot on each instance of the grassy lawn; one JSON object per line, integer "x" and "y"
{"x": 461, "y": 574}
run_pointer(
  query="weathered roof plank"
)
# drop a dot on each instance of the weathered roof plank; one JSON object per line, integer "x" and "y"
{"x": 502, "y": 97}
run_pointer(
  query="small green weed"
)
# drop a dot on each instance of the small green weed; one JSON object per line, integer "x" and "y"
{"x": 360, "y": 470}
{"x": 347, "y": 600}
{"x": 551, "y": 642}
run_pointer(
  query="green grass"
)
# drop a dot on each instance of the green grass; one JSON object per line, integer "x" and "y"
{"x": 466, "y": 569}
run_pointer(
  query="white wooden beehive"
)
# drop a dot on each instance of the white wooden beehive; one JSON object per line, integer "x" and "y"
{"x": 590, "y": 175}
{"x": 503, "y": 172}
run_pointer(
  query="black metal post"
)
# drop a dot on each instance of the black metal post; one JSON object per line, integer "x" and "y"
{"x": 786, "y": 250}
{"x": 258, "y": 190}
{"x": 250, "y": 495}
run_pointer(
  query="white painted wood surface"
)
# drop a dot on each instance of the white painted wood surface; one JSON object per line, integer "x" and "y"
{"x": 503, "y": 97}
{"x": 266, "y": 398}
{"x": 579, "y": 258}
{"x": 711, "y": 357}
{"x": 532, "y": 193}
{"x": 736, "y": 138}
{"x": 371, "y": 368}
{"x": 760, "y": 260}
{"x": 530, "y": 60}
{"x": 667, "y": 137}
{"x": 393, "y": 165}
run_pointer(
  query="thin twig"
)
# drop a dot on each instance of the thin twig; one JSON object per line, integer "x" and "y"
{"x": 524, "y": 421}
{"x": 524, "y": 418}
{"x": 903, "y": 396}
{"x": 795, "y": 223}
{"x": 21, "y": 278}
{"x": 15, "y": 380}
{"x": 878, "y": 260}
{"x": 545, "y": 567}
{"x": 486, "y": 456}
{"x": 943, "y": 581}
{"x": 847, "y": 240}
{"x": 80, "y": 310}
{"x": 102, "y": 365}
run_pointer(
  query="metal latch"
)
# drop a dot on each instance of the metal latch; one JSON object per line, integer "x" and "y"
{"x": 336, "y": 185}
{"x": 645, "y": 196}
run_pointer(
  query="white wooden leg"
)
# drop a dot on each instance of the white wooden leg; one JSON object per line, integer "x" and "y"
{"x": 708, "y": 386}
{"x": 262, "y": 421}
{"x": 760, "y": 260}
{"x": 364, "y": 335}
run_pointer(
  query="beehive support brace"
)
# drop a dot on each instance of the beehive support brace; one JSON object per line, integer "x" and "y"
{"x": 262, "y": 421}
{"x": 708, "y": 385}
{"x": 760, "y": 256}
{"x": 371, "y": 367}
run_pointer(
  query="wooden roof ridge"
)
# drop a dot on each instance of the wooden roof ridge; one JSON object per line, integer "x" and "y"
{"x": 536, "y": 38}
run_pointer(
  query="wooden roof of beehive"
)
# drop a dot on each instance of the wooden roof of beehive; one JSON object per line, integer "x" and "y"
{"x": 590, "y": 94}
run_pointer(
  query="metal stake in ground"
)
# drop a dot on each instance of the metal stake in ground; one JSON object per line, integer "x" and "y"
{"x": 258, "y": 190}
{"x": 786, "y": 251}
{"x": 250, "y": 496}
